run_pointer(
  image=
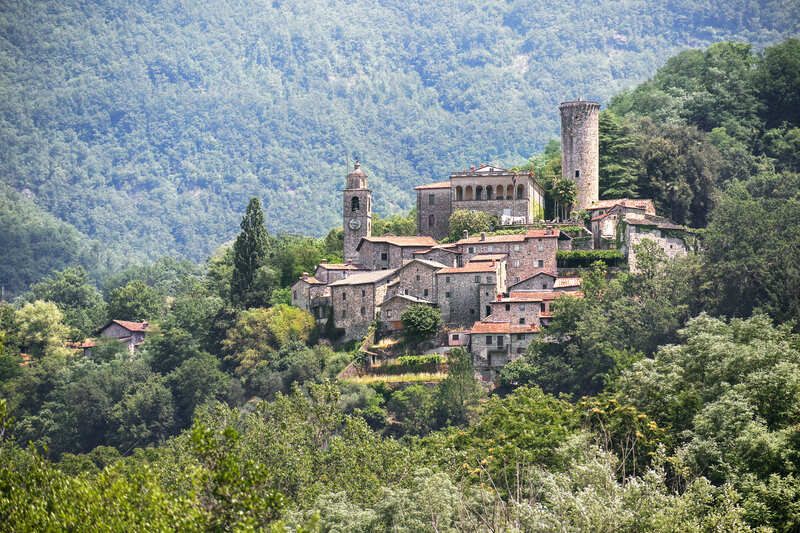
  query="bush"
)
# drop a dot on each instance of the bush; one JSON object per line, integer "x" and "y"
{"x": 412, "y": 364}
{"x": 585, "y": 258}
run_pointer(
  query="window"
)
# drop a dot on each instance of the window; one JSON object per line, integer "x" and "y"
{"x": 388, "y": 313}
{"x": 454, "y": 336}
{"x": 363, "y": 293}
{"x": 488, "y": 339}
{"x": 384, "y": 256}
{"x": 520, "y": 192}
{"x": 540, "y": 263}
{"x": 431, "y": 221}
{"x": 516, "y": 247}
{"x": 344, "y": 296}
{"x": 521, "y": 307}
{"x": 516, "y": 279}
{"x": 500, "y": 341}
{"x": 508, "y": 307}
{"x": 405, "y": 292}
{"x": 459, "y": 193}
{"x": 431, "y": 199}
{"x": 355, "y": 204}
{"x": 489, "y": 279}
{"x": 425, "y": 292}
{"x": 344, "y": 313}
{"x": 447, "y": 294}
{"x": 543, "y": 307}
{"x": 577, "y": 173}
{"x": 447, "y": 279}
{"x": 471, "y": 249}
{"x": 417, "y": 277}
{"x": 488, "y": 193}
{"x": 471, "y": 311}
{"x": 489, "y": 248}
{"x": 516, "y": 264}
{"x": 363, "y": 311}
{"x": 541, "y": 245}
{"x": 522, "y": 320}
{"x": 477, "y": 279}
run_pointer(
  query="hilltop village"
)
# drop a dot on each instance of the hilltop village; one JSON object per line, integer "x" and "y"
{"x": 494, "y": 291}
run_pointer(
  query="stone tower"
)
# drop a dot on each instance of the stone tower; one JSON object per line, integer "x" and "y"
{"x": 356, "y": 212}
{"x": 580, "y": 149}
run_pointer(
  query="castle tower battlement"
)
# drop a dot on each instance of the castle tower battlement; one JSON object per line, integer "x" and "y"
{"x": 580, "y": 149}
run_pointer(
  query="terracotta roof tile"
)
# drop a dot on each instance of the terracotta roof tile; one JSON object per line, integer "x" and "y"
{"x": 400, "y": 240}
{"x": 537, "y": 273}
{"x": 470, "y": 268}
{"x": 502, "y": 327}
{"x": 337, "y": 266}
{"x": 636, "y": 203}
{"x": 488, "y": 257}
{"x": 130, "y": 326}
{"x": 515, "y": 237}
{"x": 437, "y": 185}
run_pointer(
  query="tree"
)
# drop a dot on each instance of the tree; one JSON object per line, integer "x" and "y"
{"x": 135, "y": 301}
{"x": 473, "y": 222}
{"x": 420, "y": 322}
{"x": 250, "y": 253}
{"x": 618, "y": 164}
{"x": 81, "y": 303}
{"x": 40, "y": 330}
{"x": 564, "y": 193}
{"x": 459, "y": 391}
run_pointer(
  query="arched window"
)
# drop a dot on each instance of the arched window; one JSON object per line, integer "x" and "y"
{"x": 479, "y": 192}
{"x": 431, "y": 221}
{"x": 489, "y": 192}
{"x": 468, "y": 193}
{"x": 510, "y": 192}
{"x": 520, "y": 192}
{"x": 499, "y": 193}
{"x": 355, "y": 204}
{"x": 459, "y": 193}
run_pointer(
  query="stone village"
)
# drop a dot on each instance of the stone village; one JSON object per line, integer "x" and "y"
{"x": 494, "y": 292}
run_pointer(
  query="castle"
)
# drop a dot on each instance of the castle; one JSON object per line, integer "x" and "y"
{"x": 494, "y": 291}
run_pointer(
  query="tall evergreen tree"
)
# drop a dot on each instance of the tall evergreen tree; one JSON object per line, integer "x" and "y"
{"x": 250, "y": 253}
{"x": 618, "y": 164}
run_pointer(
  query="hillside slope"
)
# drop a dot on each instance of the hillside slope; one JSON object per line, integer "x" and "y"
{"x": 149, "y": 126}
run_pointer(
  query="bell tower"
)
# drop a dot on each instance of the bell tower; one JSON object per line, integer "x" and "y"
{"x": 356, "y": 212}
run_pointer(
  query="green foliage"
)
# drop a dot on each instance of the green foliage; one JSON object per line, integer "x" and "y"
{"x": 618, "y": 170}
{"x": 135, "y": 302}
{"x": 250, "y": 253}
{"x": 81, "y": 303}
{"x": 564, "y": 192}
{"x": 395, "y": 224}
{"x": 412, "y": 363}
{"x": 473, "y": 222}
{"x": 413, "y": 408}
{"x": 420, "y": 322}
{"x": 585, "y": 258}
{"x": 40, "y": 330}
{"x": 459, "y": 393}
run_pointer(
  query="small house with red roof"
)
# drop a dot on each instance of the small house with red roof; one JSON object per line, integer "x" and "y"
{"x": 130, "y": 333}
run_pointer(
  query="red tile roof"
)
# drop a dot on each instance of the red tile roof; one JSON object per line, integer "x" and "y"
{"x": 502, "y": 327}
{"x": 130, "y": 326}
{"x": 312, "y": 280}
{"x": 337, "y": 266}
{"x": 637, "y": 203}
{"x": 516, "y": 237}
{"x": 470, "y": 268}
{"x": 400, "y": 240}
{"x": 539, "y": 295}
{"x": 488, "y": 257}
{"x": 437, "y": 185}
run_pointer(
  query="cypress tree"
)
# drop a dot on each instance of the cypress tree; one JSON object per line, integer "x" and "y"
{"x": 618, "y": 164}
{"x": 250, "y": 252}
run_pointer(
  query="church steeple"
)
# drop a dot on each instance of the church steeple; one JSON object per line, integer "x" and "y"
{"x": 356, "y": 211}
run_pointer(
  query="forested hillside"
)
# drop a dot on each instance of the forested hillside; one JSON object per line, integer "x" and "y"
{"x": 148, "y": 126}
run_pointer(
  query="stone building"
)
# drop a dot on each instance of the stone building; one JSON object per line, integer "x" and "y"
{"x": 465, "y": 293}
{"x": 312, "y": 295}
{"x": 389, "y": 251}
{"x": 446, "y": 254}
{"x": 673, "y": 239}
{"x": 527, "y": 252}
{"x": 580, "y": 149}
{"x": 605, "y": 217}
{"x": 495, "y": 344}
{"x": 535, "y": 282}
{"x": 416, "y": 278}
{"x": 130, "y": 333}
{"x": 330, "y": 272}
{"x": 516, "y": 198}
{"x": 356, "y": 212}
{"x": 355, "y": 301}
{"x": 394, "y": 306}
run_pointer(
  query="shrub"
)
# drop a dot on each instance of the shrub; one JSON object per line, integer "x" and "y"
{"x": 585, "y": 258}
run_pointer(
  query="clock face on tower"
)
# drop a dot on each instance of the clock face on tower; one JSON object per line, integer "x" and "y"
{"x": 355, "y": 223}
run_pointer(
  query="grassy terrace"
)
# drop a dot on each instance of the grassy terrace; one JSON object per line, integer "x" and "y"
{"x": 397, "y": 378}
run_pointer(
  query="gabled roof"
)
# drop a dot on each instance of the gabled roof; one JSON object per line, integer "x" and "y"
{"x": 535, "y": 296}
{"x": 400, "y": 240}
{"x": 470, "y": 268}
{"x": 130, "y": 326}
{"x": 366, "y": 278}
{"x": 428, "y": 263}
{"x": 412, "y": 299}
{"x": 311, "y": 280}
{"x": 539, "y": 273}
{"x": 502, "y": 327}
{"x": 450, "y": 248}
{"x": 651, "y": 220}
{"x": 645, "y": 204}
{"x": 562, "y": 283}
{"x": 515, "y": 237}
{"x": 437, "y": 185}
{"x": 488, "y": 257}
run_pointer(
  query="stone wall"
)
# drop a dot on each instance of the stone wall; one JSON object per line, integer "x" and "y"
{"x": 417, "y": 280}
{"x": 459, "y": 298}
{"x": 438, "y": 212}
{"x": 448, "y": 259}
{"x": 580, "y": 149}
{"x": 363, "y": 214}
{"x": 354, "y": 306}
{"x": 672, "y": 246}
{"x": 512, "y": 312}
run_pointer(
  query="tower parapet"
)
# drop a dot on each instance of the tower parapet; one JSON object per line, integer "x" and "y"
{"x": 580, "y": 149}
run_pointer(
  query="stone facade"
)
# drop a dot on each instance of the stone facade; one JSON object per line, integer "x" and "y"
{"x": 434, "y": 209}
{"x": 416, "y": 278}
{"x": 494, "y": 345}
{"x": 446, "y": 254}
{"x": 638, "y": 230}
{"x": 580, "y": 149}
{"x": 393, "y": 307}
{"x": 131, "y": 333}
{"x": 529, "y": 252}
{"x": 464, "y": 292}
{"x": 516, "y": 311}
{"x": 356, "y": 212}
{"x": 355, "y": 301}
{"x": 537, "y": 282}
{"x": 330, "y": 272}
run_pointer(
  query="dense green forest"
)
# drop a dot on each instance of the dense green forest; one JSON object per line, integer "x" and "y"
{"x": 665, "y": 400}
{"x": 147, "y": 126}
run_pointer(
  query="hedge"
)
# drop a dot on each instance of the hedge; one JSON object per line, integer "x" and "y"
{"x": 585, "y": 258}
{"x": 412, "y": 364}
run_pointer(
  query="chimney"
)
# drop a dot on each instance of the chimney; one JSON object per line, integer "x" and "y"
{"x": 348, "y": 262}
{"x": 324, "y": 261}
{"x": 483, "y": 236}
{"x": 304, "y": 276}
{"x": 465, "y": 234}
